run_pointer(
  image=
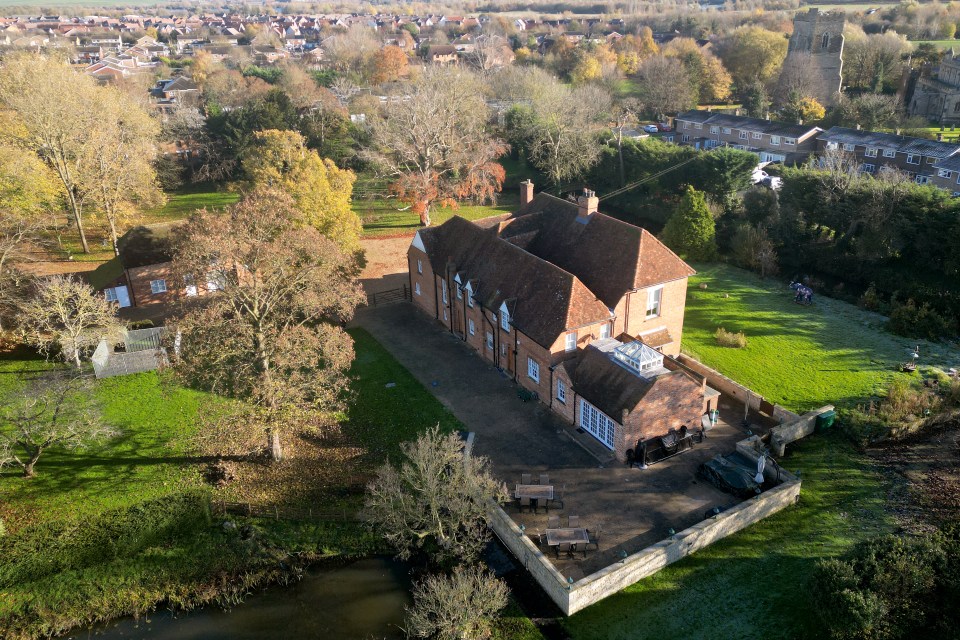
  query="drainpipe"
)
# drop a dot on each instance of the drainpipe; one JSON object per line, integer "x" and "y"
{"x": 550, "y": 404}
{"x": 626, "y": 315}
{"x": 516, "y": 349}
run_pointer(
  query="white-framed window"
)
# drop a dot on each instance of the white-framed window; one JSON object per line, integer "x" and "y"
{"x": 727, "y": 131}
{"x": 945, "y": 173}
{"x": 913, "y": 158}
{"x": 775, "y": 141}
{"x": 158, "y": 286}
{"x": 654, "y": 296}
{"x": 469, "y": 289}
{"x": 849, "y": 147}
{"x": 489, "y": 341}
{"x": 419, "y": 265}
{"x": 533, "y": 369}
{"x": 446, "y": 315}
{"x": 570, "y": 343}
{"x": 562, "y": 391}
{"x": 922, "y": 179}
{"x": 931, "y": 160}
{"x": 714, "y": 129}
{"x": 686, "y": 125}
{"x": 684, "y": 138}
{"x": 596, "y": 423}
{"x": 605, "y": 330}
{"x": 870, "y": 152}
{"x": 504, "y": 318}
{"x": 471, "y": 327}
{"x": 889, "y": 153}
{"x": 110, "y": 294}
{"x": 757, "y": 135}
{"x": 416, "y": 288}
{"x": 867, "y": 168}
{"x": 698, "y": 126}
{"x": 443, "y": 289}
{"x": 790, "y": 141}
{"x": 743, "y": 135}
{"x": 832, "y": 145}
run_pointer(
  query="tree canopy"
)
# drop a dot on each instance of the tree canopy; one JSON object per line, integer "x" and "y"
{"x": 691, "y": 230}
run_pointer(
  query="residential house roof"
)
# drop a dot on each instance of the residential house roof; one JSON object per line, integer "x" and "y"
{"x": 544, "y": 300}
{"x": 950, "y": 164}
{"x": 609, "y": 256}
{"x": 769, "y": 127}
{"x": 903, "y": 144}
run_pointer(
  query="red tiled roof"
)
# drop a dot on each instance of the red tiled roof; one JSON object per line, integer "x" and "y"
{"x": 544, "y": 300}
{"x": 610, "y": 256}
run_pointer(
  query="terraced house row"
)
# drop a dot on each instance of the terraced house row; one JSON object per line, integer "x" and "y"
{"x": 576, "y": 306}
{"x": 924, "y": 161}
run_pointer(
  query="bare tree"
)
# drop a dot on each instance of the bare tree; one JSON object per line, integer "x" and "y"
{"x": 67, "y": 314}
{"x": 623, "y": 114}
{"x": 434, "y": 501}
{"x": 57, "y": 410}
{"x": 460, "y": 606}
{"x": 15, "y": 232}
{"x": 490, "y": 52}
{"x": 798, "y": 77}
{"x": 351, "y": 50}
{"x": 436, "y": 146}
{"x": 664, "y": 85}
{"x": 272, "y": 332}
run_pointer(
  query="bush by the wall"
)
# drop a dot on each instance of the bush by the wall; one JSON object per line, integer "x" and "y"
{"x": 908, "y": 319}
{"x": 54, "y": 547}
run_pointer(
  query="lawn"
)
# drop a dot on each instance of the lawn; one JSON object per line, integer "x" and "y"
{"x": 940, "y": 44}
{"x": 801, "y": 357}
{"x": 385, "y": 217}
{"x": 754, "y": 584}
{"x": 182, "y": 202}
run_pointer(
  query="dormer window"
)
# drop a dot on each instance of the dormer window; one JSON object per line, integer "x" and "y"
{"x": 459, "y": 287}
{"x": 469, "y": 289}
{"x": 570, "y": 343}
{"x": 504, "y": 318}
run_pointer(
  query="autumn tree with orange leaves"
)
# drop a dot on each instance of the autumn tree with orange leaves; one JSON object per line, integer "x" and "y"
{"x": 388, "y": 65}
{"x": 435, "y": 147}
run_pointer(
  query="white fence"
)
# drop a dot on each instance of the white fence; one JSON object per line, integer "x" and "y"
{"x": 143, "y": 351}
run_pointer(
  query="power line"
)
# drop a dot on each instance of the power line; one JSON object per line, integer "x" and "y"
{"x": 634, "y": 185}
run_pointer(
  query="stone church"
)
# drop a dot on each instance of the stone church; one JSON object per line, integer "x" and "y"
{"x": 820, "y": 34}
{"x": 936, "y": 95}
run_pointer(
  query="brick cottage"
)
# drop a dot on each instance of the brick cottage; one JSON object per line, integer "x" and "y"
{"x": 541, "y": 293}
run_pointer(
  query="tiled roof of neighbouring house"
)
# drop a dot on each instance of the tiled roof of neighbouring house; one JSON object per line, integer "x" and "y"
{"x": 903, "y": 144}
{"x": 769, "y": 127}
{"x": 609, "y": 256}
{"x": 543, "y": 299}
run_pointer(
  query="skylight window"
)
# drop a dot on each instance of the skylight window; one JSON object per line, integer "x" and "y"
{"x": 638, "y": 357}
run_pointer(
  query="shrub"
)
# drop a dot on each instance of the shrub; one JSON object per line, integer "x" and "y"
{"x": 729, "y": 339}
{"x": 871, "y": 300}
{"x": 907, "y": 319}
{"x": 55, "y": 547}
{"x": 461, "y": 606}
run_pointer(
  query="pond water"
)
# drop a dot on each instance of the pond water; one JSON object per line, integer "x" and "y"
{"x": 361, "y": 601}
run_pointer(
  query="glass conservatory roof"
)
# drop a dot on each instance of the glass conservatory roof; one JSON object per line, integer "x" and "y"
{"x": 638, "y": 357}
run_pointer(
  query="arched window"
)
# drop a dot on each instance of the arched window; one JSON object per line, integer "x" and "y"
{"x": 956, "y": 107}
{"x": 825, "y": 41}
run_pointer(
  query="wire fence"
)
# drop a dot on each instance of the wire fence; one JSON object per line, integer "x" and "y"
{"x": 142, "y": 351}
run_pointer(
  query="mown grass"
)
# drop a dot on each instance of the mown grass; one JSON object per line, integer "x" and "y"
{"x": 181, "y": 203}
{"x": 754, "y": 584}
{"x": 800, "y": 357}
{"x": 940, "y": 44}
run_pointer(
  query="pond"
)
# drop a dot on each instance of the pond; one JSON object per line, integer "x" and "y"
{"x": 361, "y": 600}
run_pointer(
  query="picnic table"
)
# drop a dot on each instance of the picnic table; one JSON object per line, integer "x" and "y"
{"x": 534, "y": 491}
{"x": 568, "y": 536}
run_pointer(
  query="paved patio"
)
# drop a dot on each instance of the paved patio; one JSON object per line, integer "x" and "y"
{"x": 634, "y": 507}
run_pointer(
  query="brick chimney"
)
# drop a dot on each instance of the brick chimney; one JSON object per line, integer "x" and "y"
{"x": 587, "y": 204}
{"x": 526, "y": 192}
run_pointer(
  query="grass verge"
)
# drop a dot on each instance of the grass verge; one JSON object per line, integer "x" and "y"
{"x": 801, "y": 357}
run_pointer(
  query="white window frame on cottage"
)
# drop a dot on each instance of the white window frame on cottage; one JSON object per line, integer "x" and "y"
{"x": 775, "y": 141}
{"x": 914, "y": 158}
{"x": 849, "y": 147}
{"x": 570, "y": 342}
{"x": 654, "y": 302}
{"x": 605, "y": 330}
{"x": 867, "y": 168}
{"x": 743, "y": 135}
{"x": 714, "y": 129}
{"x": 686, "y": 125}
{"x": 561, "y": 391}
{"x": 727, "y": 131}
{"x": 419, "y": 266}
{"x": 698, "y": 126}
{"x": 504, "y": 318}
{"x": 757, "y": 135}
{"x": 790, "y": 141}
{"x": 158, "y": 286}
{"x": 870, "y": 152}
{"x": 471, "y": 326}
{"x": 459, "y": 284}
{"x": 597, "y": 424}
{"x": 944, "y": 173}
{"x": 922, "y": 179}
{"x": 446, "y": 316}
{"x": 533, "y": 369}
{"x": 469, "y": 295}
{"x": 931, "y": 160}
{"x": 416, "y": 288}
{"x": 832, "y": 145}
{"x": 889, "y": 153}
{"x": 443, "y": 290}
{"x": 490, "y": 340}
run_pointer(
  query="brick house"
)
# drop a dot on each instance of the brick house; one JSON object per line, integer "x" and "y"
{"x": 772, "y": 141}
{"x": 917, "y": 157}
{"x": 530, "y": 291}
{"x": 142, "y": 275}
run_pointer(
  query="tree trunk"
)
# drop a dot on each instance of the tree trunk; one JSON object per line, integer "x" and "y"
{"x": 273, "y": 444}
{"x": 425, "y": 214}
{"x": 78, "y": 218}
{"x": 76, "y": 358}
{"x": 623, "y": 178}
{"x": 28, "y": 471}
{"x": 113, "y": 231}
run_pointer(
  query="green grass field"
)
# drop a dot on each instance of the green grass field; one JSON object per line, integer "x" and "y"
{"x": 384, "y": 217}
{"x": 753, "y": 584}
{"x": 798, "y": 356}
{"x": 183, "y": 202}
{"x": 940, "y": 44}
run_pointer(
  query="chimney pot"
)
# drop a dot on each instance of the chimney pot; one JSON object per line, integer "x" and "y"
{"x": 526, "y": 192}
{"x": 587, "y": 204}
